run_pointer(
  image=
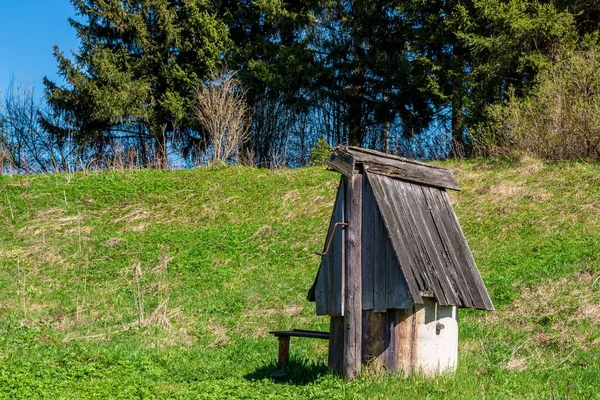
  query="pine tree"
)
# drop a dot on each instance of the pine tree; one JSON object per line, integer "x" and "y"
{"x": 135, "y": 71}
{"x": 274, "y": 61}
{"x": 369, "y": 68}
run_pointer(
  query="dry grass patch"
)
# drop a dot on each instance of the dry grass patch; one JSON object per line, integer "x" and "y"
{"x": 506, "y": 190}
{"x": 53, "y": 221}
{"x": 529, "y": 166}
{"x": 137, "y": 214}
{"x": 219, "y": 333}
{"x": 565, "y": 312}
{"x": 263, "y": 232}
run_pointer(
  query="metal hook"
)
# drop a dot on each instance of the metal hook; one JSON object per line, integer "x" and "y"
{"x": 331, "y": 238}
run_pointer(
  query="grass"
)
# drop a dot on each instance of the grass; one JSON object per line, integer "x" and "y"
{"x": 164, "y": 284}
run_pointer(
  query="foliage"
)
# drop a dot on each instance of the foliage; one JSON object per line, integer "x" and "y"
{"x": 397, "y": 76}
{"x": 559, "y": 120}
{"x": 136, "y": 66}
{"x": 509, "y": 43}
{"x": 366, "y": 66}
{"x": 25, "y": 147}
{"x": 320, "y": 153}
{"x": 240, "y": 264}
{"x": 271, "y": 54}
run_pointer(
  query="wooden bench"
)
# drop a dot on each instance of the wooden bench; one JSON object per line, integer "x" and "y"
{"x": 284, "y": 342}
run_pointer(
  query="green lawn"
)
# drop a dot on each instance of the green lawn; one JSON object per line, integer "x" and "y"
{"x": 164, "y": 284}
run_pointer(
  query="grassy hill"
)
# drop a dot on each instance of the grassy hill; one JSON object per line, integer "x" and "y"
{"x": 141, "y": 284}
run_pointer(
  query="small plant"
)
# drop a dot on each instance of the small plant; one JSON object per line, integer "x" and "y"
{"x": 157, "y": 290}
{"x": 320, "y": 153}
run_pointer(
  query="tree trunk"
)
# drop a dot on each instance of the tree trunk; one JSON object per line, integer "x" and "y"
{"x": 160, "y": 151}
{"x": 354, "y": 121}
{"x": 357, "y": 82}
{"x": 458, "y": 125}
{"x": 458, "y": 142}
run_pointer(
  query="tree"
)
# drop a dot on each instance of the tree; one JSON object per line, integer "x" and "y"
{"x": 24, "y": 145}
{"x": 275, "y": 64}
{"x": 508, "y": 44}
{"x": 135, "y": 71}
{"x": 368, "y": 67}
{"x": 223, "y": 112}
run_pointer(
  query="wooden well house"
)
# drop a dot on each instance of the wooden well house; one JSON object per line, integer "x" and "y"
{"x": 396, "y": 266}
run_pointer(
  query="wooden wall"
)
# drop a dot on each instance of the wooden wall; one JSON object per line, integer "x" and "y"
{"x": 329, "y": 288}
{"x": 383, "y": 286}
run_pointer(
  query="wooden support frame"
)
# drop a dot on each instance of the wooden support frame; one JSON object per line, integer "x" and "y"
{"x": 284, "y": 343}
{"x": 351, "y": 366}
{"x": 284, "y": 352}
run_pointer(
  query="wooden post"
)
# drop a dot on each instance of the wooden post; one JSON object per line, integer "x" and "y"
{"x": 284, "y": 352}
{"x": 353, "y": 288}
{"x": 336, "y": 345}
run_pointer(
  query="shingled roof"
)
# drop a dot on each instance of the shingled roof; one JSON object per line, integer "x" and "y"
{"x": 429, "y": 246}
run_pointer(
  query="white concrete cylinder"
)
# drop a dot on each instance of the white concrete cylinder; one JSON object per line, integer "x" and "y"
{"x": 436, "y": 338}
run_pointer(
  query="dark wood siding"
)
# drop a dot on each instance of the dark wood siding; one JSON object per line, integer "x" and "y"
{"x": 329, "y": 285}
{"x": 383, "y": 285}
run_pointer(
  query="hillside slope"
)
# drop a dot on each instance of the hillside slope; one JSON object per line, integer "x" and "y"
{"x": 166, "y": 283}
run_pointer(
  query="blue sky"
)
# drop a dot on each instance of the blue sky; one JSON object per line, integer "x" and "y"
{"x": 28, "y": 30}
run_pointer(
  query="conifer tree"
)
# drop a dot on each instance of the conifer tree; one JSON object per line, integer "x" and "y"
{"x": 135, "y": 70}
{"x": 368, "y": 66}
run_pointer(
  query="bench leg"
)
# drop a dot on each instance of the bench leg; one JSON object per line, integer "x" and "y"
{"x": 284, "y": 351}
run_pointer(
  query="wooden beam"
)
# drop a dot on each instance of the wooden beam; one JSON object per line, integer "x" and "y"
{"x": 345, "y": 159}
{"x": 342, "y": 162}
{"x": 353, "y": 292}
{"x": 372, "y": 341}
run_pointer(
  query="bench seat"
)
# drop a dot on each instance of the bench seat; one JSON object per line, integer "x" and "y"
{"x": 284, "y": 342}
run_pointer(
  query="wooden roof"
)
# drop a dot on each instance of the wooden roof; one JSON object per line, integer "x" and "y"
{"x": 420, "y": 236}
{"x": 345, "y": 160}
{"x": 430, "y": 246}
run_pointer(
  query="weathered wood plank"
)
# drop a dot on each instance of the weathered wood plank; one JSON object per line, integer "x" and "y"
{"x": 419, "y": 215}
{"x": 461, "y": 246}
{"x": 337, "y": 272}
{"x": 443, "y": 243}
{"x": 381, "y": 240}
{"x": 430, "y": 246}
{"x": 406, "y": 337}
{"x": 420, "y": 264}
{"x": 397, "y": 233}
{"x": 401, "y": 168}
{"x": 399, "y": 297}
{"x": 336, "y": 345}
{"x": 353, "y": 150}
{"x": 370, "y": 223}
{"x": 397, "y": 293}
{"x": 455, "y": 248}
{"x": 342, "y": 162}
{"x": 353, "y": 295}
{"x": 302, "y": 334}
{"x": 372, "y": 337}
{"x": 327, "y": 302}
{"x": 321, "y": 291}
{"x": 391, "y": 350}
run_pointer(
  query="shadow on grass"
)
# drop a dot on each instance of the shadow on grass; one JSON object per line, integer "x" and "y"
{"x": 298, "y": 372}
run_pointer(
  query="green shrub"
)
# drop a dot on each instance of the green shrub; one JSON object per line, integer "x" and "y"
{"x": 320, "y": 153}
{"x": 559, "y": 120}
